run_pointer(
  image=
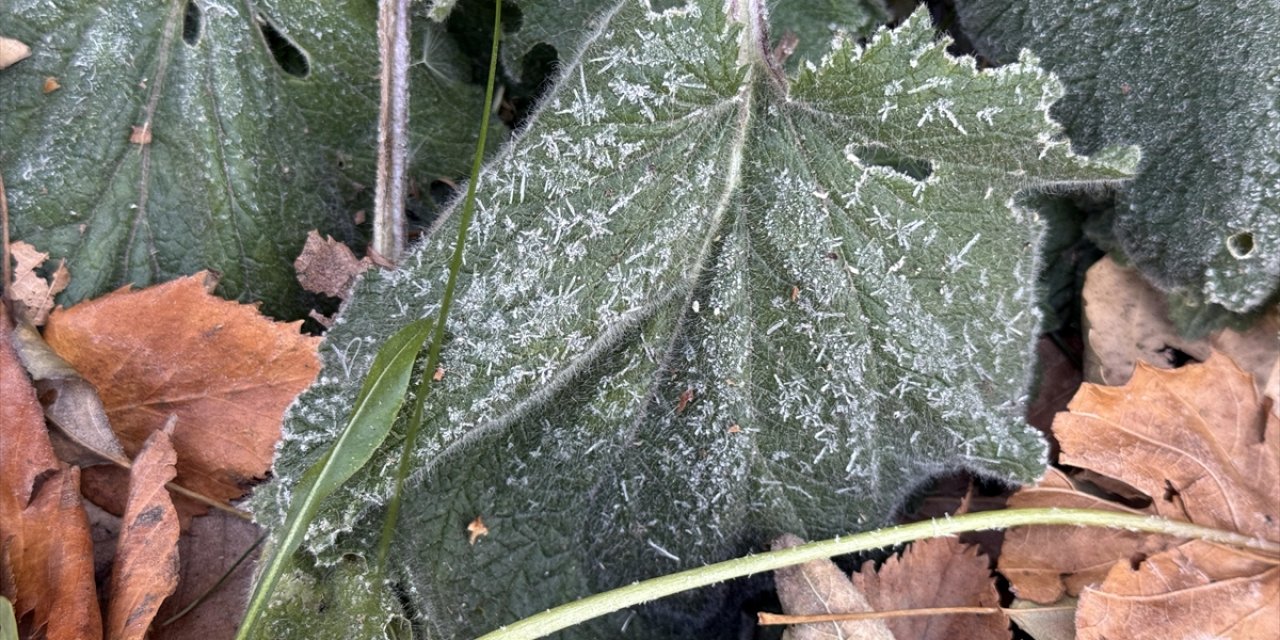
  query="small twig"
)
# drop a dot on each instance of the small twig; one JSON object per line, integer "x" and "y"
{"x": 765, "y": 618}
{"x": 393, "y": 130}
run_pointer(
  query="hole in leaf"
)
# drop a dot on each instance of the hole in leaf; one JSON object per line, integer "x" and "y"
{"x": 287, "y": 55}
{"x": 1240, "y": 245}
{"x": 881, "y": 157}
{"x": 1170, "y": 492}
{"x": 1136, "y": 560}
{"x": 442, "y": 192}
{"x": 192, "y": 23}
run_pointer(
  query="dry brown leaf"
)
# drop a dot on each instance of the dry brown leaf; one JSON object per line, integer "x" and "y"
{"x": 1197, "y": 590}
{"x": 206, "y": 552}
{"x": 82, "y": 434}
{"x": 1201, "y": 444}
{"x": 46, "y": 555}
{"x": 935, "y": 573}
{"x": 145, "y": 570}
{"x": 1126, "y": 322}
{"x": 222, "y": 368}
{"x": 1045, "y": 563}
{"x": 33, "y": 295}
{"x": 328, "y": 266}
{"x": 819, "y": 586}
{"x": 1053, "y": 622}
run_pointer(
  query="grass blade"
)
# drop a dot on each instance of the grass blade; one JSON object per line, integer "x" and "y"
{"x": 375, "y": 410}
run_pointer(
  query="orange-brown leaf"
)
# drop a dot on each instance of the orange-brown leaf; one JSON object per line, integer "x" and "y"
{"x": 1202, "y": 445}
{"x": 935, "y": 573}
{"x": 46, "y": 553}
{"x": 145, "y": 570}
{"x": 1196, "y": 590}
{"x": 1197, "y": 440}
{"x": 1045, "y": 563}
{"x": 223, "y": 369}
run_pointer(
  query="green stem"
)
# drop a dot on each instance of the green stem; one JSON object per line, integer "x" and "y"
{"x": 446, "y": 301}
{"x": 566, "y": 615}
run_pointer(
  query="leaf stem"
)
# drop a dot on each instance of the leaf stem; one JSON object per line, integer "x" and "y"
{"x": 766, "y": 619}
{"x": 566, "y": 615}
{"x": 446, "y": 301}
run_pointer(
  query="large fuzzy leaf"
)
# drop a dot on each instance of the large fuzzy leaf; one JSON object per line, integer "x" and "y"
{"x": 261, "y": 119}
{"x": 703, "y": 303}
{"x": 1195, "y": 84}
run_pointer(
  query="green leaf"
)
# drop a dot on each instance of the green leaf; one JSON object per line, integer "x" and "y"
{"x": 262, "y": 121}
{"x": 1194, "y": 83}
{"x": 702, "y": 304}
{"x": 560, "y": 24}
{"x": 372, "y": 415}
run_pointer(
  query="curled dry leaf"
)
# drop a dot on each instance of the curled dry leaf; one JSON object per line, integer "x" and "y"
{"x": 328, "y": 266}
{"x": 935, "y": 573}
{"x": 145, "y": 570}
{"x": 46, "y": 555}
{"x": 32, "y": 294}
{"x": 1202, "y": 445}
{"x": 222, "y": 368}
{"x": 1126, "y": 322}
{"x": 819, "y": 586}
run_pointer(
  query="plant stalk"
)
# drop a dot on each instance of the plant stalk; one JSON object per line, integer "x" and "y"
{"x": 567, "y": 615}
{"x": 446, "y": 302}
{"x": 393, "y": 130}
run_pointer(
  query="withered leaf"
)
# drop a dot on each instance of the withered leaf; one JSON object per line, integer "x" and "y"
{"x": 145, "y": 570}
{"x": 819, "y": 586}
{"x": 46, "y": 555}
{"x": 328, "y": 266}
{"x": 11, "y": 51}
{"x": 82, "y": 434}
{"x": 935, "y": 573}
{"x": 1195, "y": 590}
{"x": 1053, "y": 622}
{"x": 1126, "y": 322}
{"x": 1202, "y": 445}
{"x": 225, "y": 371}
{"x": 32, "y": 294}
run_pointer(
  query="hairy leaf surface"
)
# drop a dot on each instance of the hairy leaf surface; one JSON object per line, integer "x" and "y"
{"x": 703, "y": 303}
{"x": 1195, "y": 84}
{"x": 180, "y": 135}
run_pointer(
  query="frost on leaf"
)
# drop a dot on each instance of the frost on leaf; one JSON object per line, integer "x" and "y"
{"x": 1203, "y": 216}
{"x": 640, "y": 242}
{"x": 202, "y": 134}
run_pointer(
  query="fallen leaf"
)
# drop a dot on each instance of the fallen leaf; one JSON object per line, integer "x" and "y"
{"x": 32, "y": 294}
{"x": 145, "y": 570}
{"x": 682, "y": 403}
{"x": 328, "y": 266}
{"x": 224, "y": 370}
{"x": 12, "y": 51}
{"x": 140, "y": 135}
{"x": 1044, "y": 564}
{"x": 1201, "y": 445}
{"x": 50, "y": 84}
{"x": 1197, "y": 590}
{"x": 475, "y": 529}
{"x": 819, "y": 586}
{"x": 1126, "y": 322}
{"x": 935, "y": 573}
{"x": 46, "y": 555}
{"x": 1053, "y": 622}
{"x": 206, "y": 552}
{"x": 82, "y": 434}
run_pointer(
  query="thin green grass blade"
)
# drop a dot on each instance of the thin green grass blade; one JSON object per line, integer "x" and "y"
{"x": 376, "y": 407}
{"x": 446, "y": 301}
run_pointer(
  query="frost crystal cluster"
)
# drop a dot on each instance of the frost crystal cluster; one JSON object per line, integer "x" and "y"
{"x": 704, "y": 302}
